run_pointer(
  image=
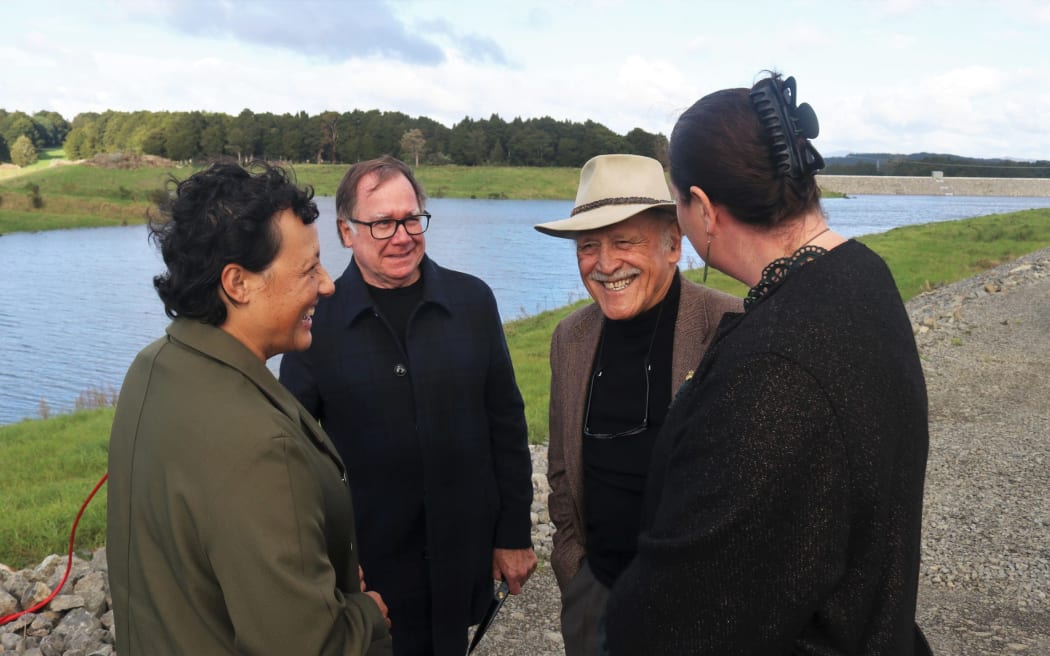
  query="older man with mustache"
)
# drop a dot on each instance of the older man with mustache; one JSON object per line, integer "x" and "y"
{"x": 615, "y": 366}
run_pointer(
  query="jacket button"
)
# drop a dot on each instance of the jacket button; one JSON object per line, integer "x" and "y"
{"x": 400, "y": 369}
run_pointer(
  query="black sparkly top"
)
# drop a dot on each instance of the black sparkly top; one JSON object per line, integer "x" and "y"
{"x": 780, "y": 268}
{"x": 784, "y": 501}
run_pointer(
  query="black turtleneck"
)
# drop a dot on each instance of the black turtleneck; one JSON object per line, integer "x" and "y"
{"x": 397, "y": 305}
{"x": 614, "y": 469}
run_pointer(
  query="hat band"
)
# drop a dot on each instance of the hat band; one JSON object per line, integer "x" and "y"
{"x": 622, "y": 200}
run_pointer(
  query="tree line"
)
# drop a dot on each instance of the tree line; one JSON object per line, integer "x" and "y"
{"x": 22, "y": 135}
{"x": 328, "y": 137}
{"x": 334, "y": 137}
{"x": 924, "y": 164}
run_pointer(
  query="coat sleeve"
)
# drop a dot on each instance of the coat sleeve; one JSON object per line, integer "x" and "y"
{"x": 569, "y": 543}
{"x": 509, "y": 434}
{"x": 751, "y": 525}
{"x": 297, "y": 375}
{"x": 265, "y": 540}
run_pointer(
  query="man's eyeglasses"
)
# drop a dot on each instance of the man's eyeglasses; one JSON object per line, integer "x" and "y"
{"x": 633, "y": 430}
{"x": 416, "y": 224}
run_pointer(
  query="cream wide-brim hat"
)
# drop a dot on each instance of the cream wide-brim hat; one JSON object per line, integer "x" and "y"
{"x": 613, "y": 188}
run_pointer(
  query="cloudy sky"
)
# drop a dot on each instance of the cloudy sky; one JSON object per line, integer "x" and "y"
{"x": 961, "y": 77}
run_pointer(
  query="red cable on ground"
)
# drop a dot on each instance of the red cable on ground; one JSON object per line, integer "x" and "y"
{"x": 69, "y": 561}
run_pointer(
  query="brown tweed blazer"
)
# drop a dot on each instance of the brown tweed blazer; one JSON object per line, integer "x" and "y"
{"x": 573, "y": 348}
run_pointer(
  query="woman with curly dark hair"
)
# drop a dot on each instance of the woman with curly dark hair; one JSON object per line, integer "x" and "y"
{"x": 785, "y": 492}
{"x": 230, "y": 525}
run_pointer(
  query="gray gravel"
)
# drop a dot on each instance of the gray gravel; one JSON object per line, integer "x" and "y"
{"x": 986, "y": 526}
{"x": 986, "y": 537}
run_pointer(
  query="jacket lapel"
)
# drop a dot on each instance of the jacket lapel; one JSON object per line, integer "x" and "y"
{"x": 579, "y": 354}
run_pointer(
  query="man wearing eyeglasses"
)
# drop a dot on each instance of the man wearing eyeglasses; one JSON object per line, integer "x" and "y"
{"x": 615, "y": 366}
{"x": 410, "y": 375}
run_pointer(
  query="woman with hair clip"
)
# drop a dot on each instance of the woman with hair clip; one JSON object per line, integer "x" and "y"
{"x": 785, "y": 492}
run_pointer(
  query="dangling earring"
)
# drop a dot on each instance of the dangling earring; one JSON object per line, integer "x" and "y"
{"x": 707, "y": 258}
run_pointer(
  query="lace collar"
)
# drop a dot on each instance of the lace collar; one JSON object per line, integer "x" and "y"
{"x": 780, "y": 268}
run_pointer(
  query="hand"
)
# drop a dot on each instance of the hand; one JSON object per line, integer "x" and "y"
{"x": 382, "y": 605}
{"x": 376, "y": 597}
{"x": 515, "y": 566}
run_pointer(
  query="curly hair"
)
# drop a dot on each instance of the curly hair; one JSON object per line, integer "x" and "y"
{"x": 720, "y": 145}
{"x": 221, "y": 215}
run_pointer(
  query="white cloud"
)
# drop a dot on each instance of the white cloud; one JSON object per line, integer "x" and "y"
{"x": 967, "y": 82}
{"x": 904, "y": 74}
{"x": 900, "y": 7}
{"x": 903, "y": 42}
{"x": 16, "y": 57}
{"x": 976, "y": 111}
{"x": 704, "y": 43}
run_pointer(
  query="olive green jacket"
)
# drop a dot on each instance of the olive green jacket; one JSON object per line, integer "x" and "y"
{"x": 230, "y": 524}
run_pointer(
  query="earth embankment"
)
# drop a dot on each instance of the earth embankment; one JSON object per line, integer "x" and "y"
{"x": 853, "y": 185}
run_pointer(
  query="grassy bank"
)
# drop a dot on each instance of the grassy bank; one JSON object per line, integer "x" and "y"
{"x": 497, "y": 182}
{"x": 50, "y": 465}
{"x": 45, "y": 159}
{"x": 79, "y": 196}
{"x": 49, "y": 196}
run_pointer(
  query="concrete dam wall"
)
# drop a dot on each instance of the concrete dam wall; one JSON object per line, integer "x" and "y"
{"x": 934, "y": 186}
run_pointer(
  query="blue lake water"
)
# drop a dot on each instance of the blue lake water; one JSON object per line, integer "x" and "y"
{"x": 77, "y": 305}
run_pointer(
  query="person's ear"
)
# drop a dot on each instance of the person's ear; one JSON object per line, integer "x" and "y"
{"x": 346, "y": 233}
{"x": 234, "y": 281}
{"x": 705, "y": 208}
{"x": 676, "y": 241}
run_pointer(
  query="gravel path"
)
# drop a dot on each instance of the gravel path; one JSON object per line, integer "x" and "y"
{"x": 986, "y": 541}
{"x": 986, "y": 526}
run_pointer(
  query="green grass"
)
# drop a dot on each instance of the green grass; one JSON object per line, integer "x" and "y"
{"x": 522, "y": 183}
{"x": 50, "y": 465}
{"x": 45, "y": 158}
{"x": 926, "y": 256}
{"x": 80, "y": 196}
{"x": 77, "y": 196}
{"x": 502, "y": 182}
{"x": 529, "y": 340}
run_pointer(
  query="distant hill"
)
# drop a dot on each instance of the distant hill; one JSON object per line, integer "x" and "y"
{"x": 923, "y": 164}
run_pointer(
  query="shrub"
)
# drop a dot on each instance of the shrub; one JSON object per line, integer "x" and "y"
{"x": 95, "y": 397}
{"x": 158, "y": 196}
{"x": 23, "y": 153}
{"x": 35, "y": 199}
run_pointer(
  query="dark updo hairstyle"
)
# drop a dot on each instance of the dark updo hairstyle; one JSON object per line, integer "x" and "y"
{"x": 218, "y": 216}
{"x": 722, "y": 145}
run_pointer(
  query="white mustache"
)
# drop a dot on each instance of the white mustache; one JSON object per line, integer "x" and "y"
{"x": 618, "y": 275}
